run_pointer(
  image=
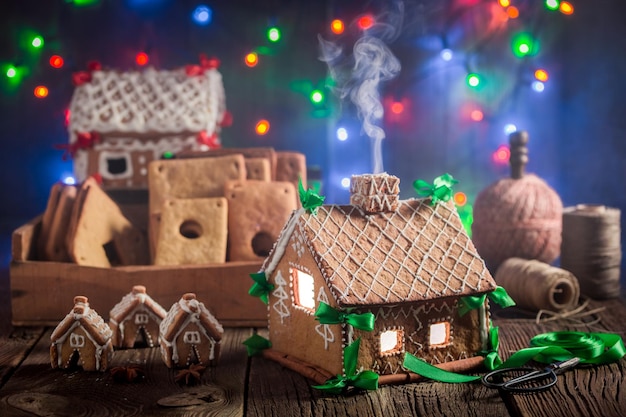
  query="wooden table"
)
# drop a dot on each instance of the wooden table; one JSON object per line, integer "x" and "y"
{"x": 257, "y": 387}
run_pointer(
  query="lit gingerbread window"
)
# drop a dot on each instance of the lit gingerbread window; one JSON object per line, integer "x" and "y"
{"x": 303, "y": 289}
{"x": 439, "y": 334}
{"x": 391, "y": 341}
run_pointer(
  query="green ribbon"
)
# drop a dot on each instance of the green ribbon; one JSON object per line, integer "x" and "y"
{"x": 363, "y": 380}
{"x": 439, "y": 190}
{"x": 310, "y": 199}
{"x": 329, "y": 315}
{"x": 472, "y": 302}
{"x": 261, "y": 288}
{"x": 492, "y": 359}
{"x": 590, "y": 348}
{"x": 256, "y": 344}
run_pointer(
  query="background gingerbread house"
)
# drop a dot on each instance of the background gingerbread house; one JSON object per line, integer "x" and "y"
{"x": 120, "y": 121}
{"x": 136, "y": 318}
{"x": 406, "y": 262}
{"x": 190, "y": 334}
{"x": 81, "y": 338}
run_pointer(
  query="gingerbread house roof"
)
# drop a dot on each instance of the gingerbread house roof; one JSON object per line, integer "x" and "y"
{"x": 130, "y": 301}
{"x": 414, "y": 253}
{"x": 148, "y": 102}
{"x": 188, "y": 309}
{"x": 86, "y": 317}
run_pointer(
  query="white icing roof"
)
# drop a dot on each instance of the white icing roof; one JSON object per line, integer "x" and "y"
{"x": 147, "y": 102}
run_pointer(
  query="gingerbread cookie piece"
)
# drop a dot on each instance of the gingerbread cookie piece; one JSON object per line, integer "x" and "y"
{"x": 248, "y": 153}
{"x": 190, "y": 178}
{"x": 55, "y": 248}
{"x": 136, "y": 318}
{"x": 291, "y": 166}
{"x": 257, "y": 211}
{"x": 46, "y": 220}
{"x": 189, "y": 334}
{"x": 193, "y": 231}
{"x": 99, "y": 233}
{"x": 82, "y": 338}
{"x": 258, "y": 169}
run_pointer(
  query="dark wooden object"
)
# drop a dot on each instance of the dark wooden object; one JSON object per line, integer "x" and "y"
{"x": 256, "y": 386}
{"x": 519, "y": 153}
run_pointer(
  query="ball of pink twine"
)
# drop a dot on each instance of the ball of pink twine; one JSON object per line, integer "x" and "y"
{"x": 517, "y": 218}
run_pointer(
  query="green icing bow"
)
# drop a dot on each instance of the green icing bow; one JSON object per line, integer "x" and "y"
{"x": 329, "y": 315}
{"x": 439, "y": 190}
{"x": 261, "y": 288}
{"x": 256, "y": 344}
{"x": 310, "y": 199}
{"x": 363, "y": 380}
{"x": 472, "y": 302}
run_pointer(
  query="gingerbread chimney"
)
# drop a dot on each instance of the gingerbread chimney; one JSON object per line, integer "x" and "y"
{"x": 375, "y": 193}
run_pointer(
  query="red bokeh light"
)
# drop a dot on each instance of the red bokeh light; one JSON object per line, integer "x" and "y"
{"x": 142, "y": 58}
{"x": 56, "y": 61}
{"x": 477, "y": 115}
{"x": 501, "y": 155}
{"x": 397, "y": 107}
{"x": 365, "y": 22}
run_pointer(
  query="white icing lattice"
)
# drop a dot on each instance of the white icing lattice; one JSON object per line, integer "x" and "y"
{"x": 148, "y": 101}
{"x": 414, "y": 253}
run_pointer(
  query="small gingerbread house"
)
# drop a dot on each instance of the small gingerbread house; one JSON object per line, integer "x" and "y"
{"x": 136, "y": 319}
{"x": 406, "y": 264}
{"x": 120, "y": 121}
{"x": 81, "y": 338}
{"x": 190, "y": 334}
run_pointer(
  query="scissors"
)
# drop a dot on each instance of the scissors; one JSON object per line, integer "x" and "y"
{"x": 526, "y": 380}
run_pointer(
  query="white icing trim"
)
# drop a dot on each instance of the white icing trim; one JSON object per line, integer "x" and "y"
{"x": 280, "y": 307}
{"x": 282, "y": 242}
{"x": 324, "y": 330}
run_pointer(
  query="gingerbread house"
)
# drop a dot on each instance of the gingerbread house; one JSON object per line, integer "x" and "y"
{"x": 404, "y": 264}
{"x": 120, "y": 121}
{"x": 190, "y": 334}
{"x": 82, "y": 338}
{"x": 136, "y": 319}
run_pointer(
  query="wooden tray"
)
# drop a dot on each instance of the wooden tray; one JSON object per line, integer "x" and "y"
{"x": 42, "y": 292}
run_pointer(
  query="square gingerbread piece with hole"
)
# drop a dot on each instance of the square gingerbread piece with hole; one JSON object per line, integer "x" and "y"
{"x": 257, "y": 211}
{"x": 192, "y": 231}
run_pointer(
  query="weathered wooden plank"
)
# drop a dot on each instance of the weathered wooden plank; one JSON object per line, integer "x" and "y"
{"x": 275, "y": 391}
{"x": 35, "y": 388}
{"x": 14, "y": 348}
{"x": 54, "y": 284}
{"x": 585, "y": 391}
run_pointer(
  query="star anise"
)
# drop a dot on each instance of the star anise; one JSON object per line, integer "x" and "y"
{"x": 190, "y": 376}
{"x": 130, "y": 373}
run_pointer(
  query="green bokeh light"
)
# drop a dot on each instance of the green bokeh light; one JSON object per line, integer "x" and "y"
{"x": 273, "y": 34}
{"x": 552, "y": 4}
{"x": 523, "y": 44}
{"x": 37, "y": 42}
{"x": 317, "y": 96}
